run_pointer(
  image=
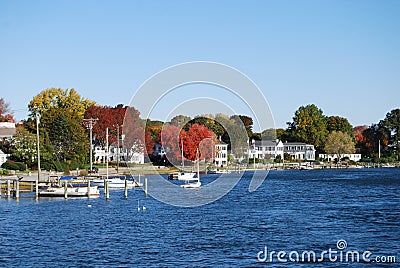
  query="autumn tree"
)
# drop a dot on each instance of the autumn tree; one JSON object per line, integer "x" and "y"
{"x": 309, "y": 126}
{"x": 339, "y": 143}
{"x": 68, "y": 99}
{"x": 64, "y": 140}
{"x": 5, "y": 112}
{"x": 109, "y": 117}
{"x": 170, "y": 138}
{"x": 194, "y": 136}
{"x": 133, "y": 131}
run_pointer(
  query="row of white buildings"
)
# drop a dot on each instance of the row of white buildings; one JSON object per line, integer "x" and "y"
{"x": 297, "y": 151}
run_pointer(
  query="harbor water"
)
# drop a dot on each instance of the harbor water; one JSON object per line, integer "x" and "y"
{"x": 292, "y": 211}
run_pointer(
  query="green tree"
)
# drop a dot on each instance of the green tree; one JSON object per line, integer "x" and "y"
{"x": 337, "y": 123}
{"x": 309, "y": 126}
{"x": 339, "y": 143}
{"x": 66, "y": 134}
{"x": 391, "y": 127}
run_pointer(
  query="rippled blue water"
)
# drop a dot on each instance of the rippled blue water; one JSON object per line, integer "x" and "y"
{"x": 291, "y": 211}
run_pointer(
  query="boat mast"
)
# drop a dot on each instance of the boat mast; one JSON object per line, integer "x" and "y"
{"x": 107, "y": 153}
{"x": 198, "y": 164}
{"x": 183, "y": 162}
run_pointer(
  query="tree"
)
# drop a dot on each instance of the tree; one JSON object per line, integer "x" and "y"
{"x": 247, "y": 122}
{"x": 196, "y": 134}
{"x": 391, "y": 126}
{"x": 65, "y": 134}
{"x": 23, "y": 146}
{"x": 67, "y": 99}
{"x": 170, "y": 138}
{"x": 180, "y": 120}
{"x": 309, "y": 126}
{"x": 134, "y": 131}
{"x": 339, "y": 143}
{"x": 109, "y": 117}
{"x": 5, "y": 113}
{"x": 337, "y": 123}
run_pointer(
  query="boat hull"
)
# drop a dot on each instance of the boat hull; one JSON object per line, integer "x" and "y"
{"x": 71, "y": 192}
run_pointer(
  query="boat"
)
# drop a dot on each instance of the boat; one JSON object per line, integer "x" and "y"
{"x": 306, "y": 167}
{"x": 218, "y": 171}
{"x": 115, "y": 182}
{"x": 71, "y": 192}
{"x": 182, "y": 175}
{"x": 196, "y": 184}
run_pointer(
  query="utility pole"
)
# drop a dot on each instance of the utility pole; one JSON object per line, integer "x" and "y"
{"x": 89, "y": 125}
{"x": 38, "y": 155}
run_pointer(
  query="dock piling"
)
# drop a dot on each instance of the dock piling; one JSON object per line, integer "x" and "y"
{"x": 17, "y": 189}
{"x": 65, "y": 190}
{"x": 107, "y": 191}
{"x": 88, "y": 188}
{"x": 126, "y": 188}
{"x": 145, "y": 186}
{"x": 8, "y": 189}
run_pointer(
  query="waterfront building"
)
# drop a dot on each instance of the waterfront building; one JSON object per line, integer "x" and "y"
{"x": 331, "y": 157}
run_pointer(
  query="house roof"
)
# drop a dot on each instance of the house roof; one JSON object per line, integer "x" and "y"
{"x": 7, "y": 132}
{"x": 266, "y": 143}
{"x": 295, "y": 143}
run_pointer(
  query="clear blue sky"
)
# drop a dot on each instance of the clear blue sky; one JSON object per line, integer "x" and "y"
{"x": 344, "y": 56}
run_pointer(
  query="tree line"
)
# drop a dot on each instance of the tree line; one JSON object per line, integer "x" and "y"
{"x": 64, "y": 140}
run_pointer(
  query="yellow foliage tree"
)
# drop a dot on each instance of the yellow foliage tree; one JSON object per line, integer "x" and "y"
{"x": 59, "y": 98}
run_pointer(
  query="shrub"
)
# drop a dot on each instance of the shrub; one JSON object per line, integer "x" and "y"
{"x": 83, "y": 173}
{"x": 11, "y": 165}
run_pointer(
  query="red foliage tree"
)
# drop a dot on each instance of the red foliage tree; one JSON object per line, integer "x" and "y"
{"x": 358, "y": 133}
{"x": 170, "y": 138}
{"x": 109, "y": 117}
{"x": 194, "y": 136}
{"x": 133, "y": 130}
{"x": 5, "y": 115}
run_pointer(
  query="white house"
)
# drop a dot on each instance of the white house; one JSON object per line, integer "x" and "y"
{"x": 330, "y": 157}
{"x": 124, "y": 155}
{"x": 221, "y": 154}
{"x": 300, "y": 150}
{"x": 3, "y": 157}
{"x": 266, "y": 149}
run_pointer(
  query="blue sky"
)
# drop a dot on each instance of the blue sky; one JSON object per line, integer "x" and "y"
{"x": 343, "y": 56}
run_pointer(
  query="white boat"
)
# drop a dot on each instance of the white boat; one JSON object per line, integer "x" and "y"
{"x": 115, "y": 183}
{"x": 71, "y": 192}
{"x": 306, "y": 168}
{"x": 182, "y": 175}
{"x": 196, "y": 183}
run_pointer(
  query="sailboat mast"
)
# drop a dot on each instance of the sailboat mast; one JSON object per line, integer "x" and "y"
{"x": 198, "y": 164}
{"x": 107, "y": 152}
{"x": 183, "y": 162}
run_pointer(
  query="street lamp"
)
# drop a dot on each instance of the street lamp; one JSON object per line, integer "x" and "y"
{"x": 89, "y": 125}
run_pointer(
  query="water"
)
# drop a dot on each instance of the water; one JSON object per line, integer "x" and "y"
{"x": 291, "y": 211}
